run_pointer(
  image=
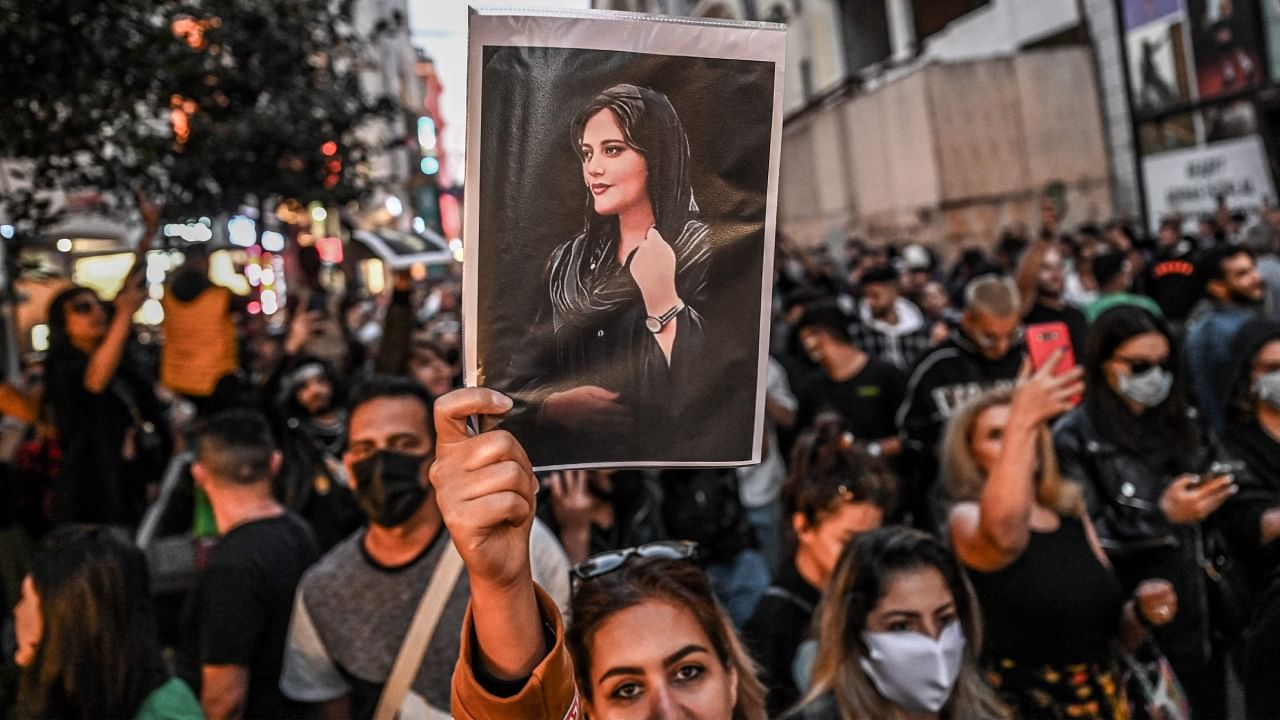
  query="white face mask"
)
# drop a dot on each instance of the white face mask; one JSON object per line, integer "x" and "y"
{"x": 1268, "y": 389}
{"x": 912, "y": 670}
{"x": 1148, "y": 389}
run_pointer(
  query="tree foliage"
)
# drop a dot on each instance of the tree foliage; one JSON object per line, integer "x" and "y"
{"x": 206, "y": 103}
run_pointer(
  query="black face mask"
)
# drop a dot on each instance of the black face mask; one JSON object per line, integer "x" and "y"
{"x": 389, "y": 486}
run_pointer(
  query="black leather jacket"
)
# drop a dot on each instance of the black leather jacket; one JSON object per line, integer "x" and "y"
{"x": 1122, "y": 491}
{"x": 1122, "y": 488}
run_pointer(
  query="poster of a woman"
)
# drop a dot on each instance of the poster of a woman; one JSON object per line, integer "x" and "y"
{"x": 619, "y": 231}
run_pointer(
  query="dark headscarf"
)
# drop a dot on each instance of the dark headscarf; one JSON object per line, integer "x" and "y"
{"x": 583, "y": 283}
{"x": 1246, "y": 343}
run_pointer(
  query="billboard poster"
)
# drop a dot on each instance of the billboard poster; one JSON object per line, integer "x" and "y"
{"x": 1190, "y": 182}
{"x": 1225, "y": 39}
{"x": 621, "y": 193}
{"x": 1158, "y": 64}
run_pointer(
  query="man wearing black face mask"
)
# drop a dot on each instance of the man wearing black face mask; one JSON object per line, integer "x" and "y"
{"x": 353, "y": 608}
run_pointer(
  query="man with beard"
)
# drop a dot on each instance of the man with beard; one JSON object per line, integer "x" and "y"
{"x": 353, "y": 608}
{"x": 889, "y": 327}
{"x": 312, "y": 433}
{"x": 1235, "y": 294}
{"x": 1041, "y": 282}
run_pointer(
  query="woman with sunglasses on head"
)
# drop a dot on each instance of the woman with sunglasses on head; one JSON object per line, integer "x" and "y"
{"x": 899, "y": 635}
{"x": 1136, "y": 449}
{"x": 86, "y": 635}
{"x": 835, "y": 492}
{"x": 1051, "y": 605}
{"x": 105, "y": 410}
{"x": 649, "y": 639}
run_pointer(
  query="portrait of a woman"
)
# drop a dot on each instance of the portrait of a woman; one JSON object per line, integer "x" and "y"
{"x": 622, "y": 328}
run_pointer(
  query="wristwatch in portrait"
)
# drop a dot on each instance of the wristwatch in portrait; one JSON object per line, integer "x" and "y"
{"x": 655, "y": 324}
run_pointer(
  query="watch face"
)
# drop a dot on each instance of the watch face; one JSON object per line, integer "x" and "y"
{"x": 653, "y": 324}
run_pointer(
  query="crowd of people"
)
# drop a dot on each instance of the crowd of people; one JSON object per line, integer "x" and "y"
{"x": 939, "y": 527}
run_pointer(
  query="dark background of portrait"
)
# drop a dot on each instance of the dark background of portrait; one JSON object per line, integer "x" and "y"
{"x": 532, "y": 199}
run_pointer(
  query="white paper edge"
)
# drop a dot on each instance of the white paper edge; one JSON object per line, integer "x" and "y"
{"x": 566, "y": 29}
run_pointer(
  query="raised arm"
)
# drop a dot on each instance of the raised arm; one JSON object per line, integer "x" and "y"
{"x": 513, "y": 662}
{"x": 993, "y": 532}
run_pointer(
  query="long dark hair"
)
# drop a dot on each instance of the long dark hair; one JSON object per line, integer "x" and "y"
{"x": 580, "y": 271}
{"x": 651, "y": 127}
{"x": 1104, "y": 405}
{"x": 866, "y": 566}
{"x": 58, "y": 338}
{"x": 98, "y": 655}
{"x": 680, "y": 583}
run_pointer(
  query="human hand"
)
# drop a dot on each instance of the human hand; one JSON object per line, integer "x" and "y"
{"x": 1155, "y": 601}
{"x": 300, "y": 330}
{"x": 1187, "y": 500}
{"x": 571, "y": 503}
{"x": 653, "y": 267}
{"x": 485, "y": 488}
{"x": 587, "y": 408}
{"x": 130, "y": 297}
{"x": 1041, "y": 395}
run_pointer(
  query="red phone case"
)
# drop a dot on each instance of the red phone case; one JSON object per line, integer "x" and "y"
{"x": 1044, "y": 339}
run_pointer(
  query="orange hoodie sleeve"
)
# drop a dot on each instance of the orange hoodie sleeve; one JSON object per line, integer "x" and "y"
{"x": 550, "y": 692}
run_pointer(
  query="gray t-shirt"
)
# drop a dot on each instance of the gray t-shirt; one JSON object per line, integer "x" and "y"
{"x": 350, "y": 617}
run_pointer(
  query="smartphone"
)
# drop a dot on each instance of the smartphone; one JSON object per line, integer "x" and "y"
{"x": 1044, "y": 339}
{"x": 1218, "y": 469}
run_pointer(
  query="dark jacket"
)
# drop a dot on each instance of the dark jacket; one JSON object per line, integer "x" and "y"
{"x": 1122, "y": 491}
{"x": 949, "y": 376}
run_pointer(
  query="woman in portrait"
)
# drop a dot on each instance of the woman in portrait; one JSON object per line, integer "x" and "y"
{"x": 625, "y": 293}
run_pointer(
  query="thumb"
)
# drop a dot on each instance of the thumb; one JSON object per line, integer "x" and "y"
{"x": 453, "y": 409}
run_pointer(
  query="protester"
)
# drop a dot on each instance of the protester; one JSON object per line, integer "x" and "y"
{"x": 1234, "y": 296}
{"x": 86, "y": 635}
{"x": 899, "y": 635}
{"x": 834, "y": 493}
{"x": 311, "y": 428}
{"x": 1051, "y": 606}
{"x": 982, "y": 353}
{"x": 862, "y": 390}
{"x": 514, "y": 658}
{"x": 353, "y": 606}
{"x": 1139, "y": 455}
{"x": 244, "y": 595}
{"x": 889, "y": 327}
{"x": 1114, "y": 271}
{"x": 430, "y": 365}
{"x": 695, "y": 667}
{"x": 1171, "y": 278}
{"x": 109, "y": 423}
{"x": 1252, "y": 517}
{"x": 199, "y": 357}
{"x": 1041, "y": 284}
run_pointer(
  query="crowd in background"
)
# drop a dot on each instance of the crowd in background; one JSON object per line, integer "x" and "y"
{"x": 243, "y": 520}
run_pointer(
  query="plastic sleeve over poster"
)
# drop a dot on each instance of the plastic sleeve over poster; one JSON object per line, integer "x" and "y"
{"x": 620, "y": 212}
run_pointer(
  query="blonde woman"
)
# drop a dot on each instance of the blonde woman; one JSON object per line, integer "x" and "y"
{"x": 1051, "y": 603}
{"x": 899, "y": 633}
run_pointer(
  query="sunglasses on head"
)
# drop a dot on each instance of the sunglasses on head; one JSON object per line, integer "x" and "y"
{"x": 1137, "y": 367}
{"x": 607, "y": 562}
